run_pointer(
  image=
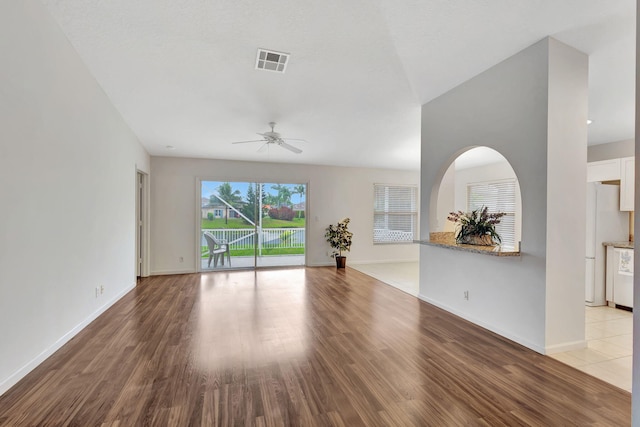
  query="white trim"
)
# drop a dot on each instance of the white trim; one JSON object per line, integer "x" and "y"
{"x": 484, "y": 325}
{"x": 560, "y": 348}
{"x": 170, "y": 272}
{"x": 382, "y": 261}
{"x": 31, "y": 365}
{"x": 322, "y": 264}
{"x": 198, "y": 224}
{"x": 146, "y": 226}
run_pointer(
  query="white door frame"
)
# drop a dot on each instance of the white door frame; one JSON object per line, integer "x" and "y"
{"x": 141, "y": 258}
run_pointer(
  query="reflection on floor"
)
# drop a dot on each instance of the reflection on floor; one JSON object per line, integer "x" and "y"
{"x": 608, "y": 356}
{"x": 402, "y": 275}
{"x": 609, "y": 331}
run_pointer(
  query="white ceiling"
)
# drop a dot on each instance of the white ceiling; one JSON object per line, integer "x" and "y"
{"x": 182, "y": 73}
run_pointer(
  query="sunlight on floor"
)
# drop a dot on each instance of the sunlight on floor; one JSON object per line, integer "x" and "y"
{"x": 402, "y": 275}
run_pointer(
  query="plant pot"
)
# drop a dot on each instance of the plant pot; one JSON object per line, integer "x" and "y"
{"x": 480, "y": 240}
{"x": 341, "y": 261}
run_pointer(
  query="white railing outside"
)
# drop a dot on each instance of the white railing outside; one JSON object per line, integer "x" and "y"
{"x": 390, "y": 236}
{"x": 272, "y": 238}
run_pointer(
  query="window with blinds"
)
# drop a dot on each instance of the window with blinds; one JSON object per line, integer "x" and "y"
{"x": 497, "y": 196}
{"x": 395, "y": 213}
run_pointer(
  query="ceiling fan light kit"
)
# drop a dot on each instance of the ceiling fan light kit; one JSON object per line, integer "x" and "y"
{"x": 273, "y": 137}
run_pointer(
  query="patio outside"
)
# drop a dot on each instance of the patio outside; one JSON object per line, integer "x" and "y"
{"x": 262, "y": 228}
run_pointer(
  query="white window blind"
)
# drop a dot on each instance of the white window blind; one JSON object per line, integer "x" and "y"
{"x": 497, "y": 196}
{"x": 395, "y": 213}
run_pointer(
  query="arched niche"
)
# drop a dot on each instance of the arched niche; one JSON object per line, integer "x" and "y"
{"x": 469, "y": 170}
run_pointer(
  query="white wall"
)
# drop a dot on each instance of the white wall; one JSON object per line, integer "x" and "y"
{"x": 507, "y": 108}
{"x": 67, "y": 185}
{"x": 635, "y": 393}
{"x": 611, "y": 150}
{"x": 332, "y": 193}
{"x": 446, "y": 201}
{"x": 566, "y": 196}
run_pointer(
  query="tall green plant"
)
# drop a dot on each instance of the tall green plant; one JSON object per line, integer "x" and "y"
{"x": 339, "y": 237}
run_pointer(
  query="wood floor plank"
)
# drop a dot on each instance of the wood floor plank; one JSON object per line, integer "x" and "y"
{"x": 298, "y": 347}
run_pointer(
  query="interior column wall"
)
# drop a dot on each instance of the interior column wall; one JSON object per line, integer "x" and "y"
{"x": 505, "y": 108}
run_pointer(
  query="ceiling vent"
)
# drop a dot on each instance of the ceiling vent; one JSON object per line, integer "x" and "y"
{"x": 270, "y": 60}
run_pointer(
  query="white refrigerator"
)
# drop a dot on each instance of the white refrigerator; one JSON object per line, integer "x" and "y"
{"x": 605, "y": 223}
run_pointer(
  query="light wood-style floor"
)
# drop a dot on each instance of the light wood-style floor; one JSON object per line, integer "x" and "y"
{"x": 300, "y": 347}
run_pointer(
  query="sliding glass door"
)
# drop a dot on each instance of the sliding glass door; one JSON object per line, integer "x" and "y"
{"x": 250, "y": 224}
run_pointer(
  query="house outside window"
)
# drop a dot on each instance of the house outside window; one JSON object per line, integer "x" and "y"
{"x": 218, "y": 213}
{"x": 497, "y": 196}
{"x": 395, "y": 213}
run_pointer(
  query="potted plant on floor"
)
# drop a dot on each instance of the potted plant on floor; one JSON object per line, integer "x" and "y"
{"x": 477, "y": 227}
{"x": 339, "y": 237}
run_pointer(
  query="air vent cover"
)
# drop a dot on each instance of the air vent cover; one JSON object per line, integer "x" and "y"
{"x": 270, "y": 60}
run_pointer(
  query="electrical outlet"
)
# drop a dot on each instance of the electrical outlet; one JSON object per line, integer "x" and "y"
{"x": 181, "y": 259}
{"x": 466, "y": 295}
{"x": 101, "y": 289}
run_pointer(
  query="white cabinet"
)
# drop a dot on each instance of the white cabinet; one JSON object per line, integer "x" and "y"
{"x": 622, "y": 281}
{"x": 627, "y": 183}
{"x": 619, "y": 281}
{"x": 605, "y": 170}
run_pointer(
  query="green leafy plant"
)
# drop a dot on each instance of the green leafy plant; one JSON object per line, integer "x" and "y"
{"x": 339, "y": 237}
{"x": 477, "y": 223}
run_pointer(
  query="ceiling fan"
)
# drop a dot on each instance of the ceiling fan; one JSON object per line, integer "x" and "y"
{"x": 273, "y": 137}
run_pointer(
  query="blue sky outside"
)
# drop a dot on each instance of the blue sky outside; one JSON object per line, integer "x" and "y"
{"x": 211, "y": 187}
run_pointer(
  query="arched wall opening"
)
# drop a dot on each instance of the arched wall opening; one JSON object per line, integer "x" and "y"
{"x": 473, "y": 177}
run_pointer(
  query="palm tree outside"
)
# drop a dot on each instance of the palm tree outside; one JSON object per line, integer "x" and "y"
{"x": 229, "y": 195}
{"x": 300, "y": 190}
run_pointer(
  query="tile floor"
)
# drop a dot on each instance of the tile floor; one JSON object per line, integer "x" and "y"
{"x": 608, "y": 356}
{"x": 608, "y": 330}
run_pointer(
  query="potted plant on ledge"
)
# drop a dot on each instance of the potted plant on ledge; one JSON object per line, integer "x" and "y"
{"x": 339, "y": 237}
{"x": 477, "y": 227}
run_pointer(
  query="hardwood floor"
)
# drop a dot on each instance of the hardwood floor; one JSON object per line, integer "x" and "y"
{"x": 305, "y": 347}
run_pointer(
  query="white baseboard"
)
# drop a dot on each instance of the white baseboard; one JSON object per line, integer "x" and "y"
{"x": 559, "y": 348}
{"x": 485, "y": 325}
{"x": 169, "y": 272}
{"x": 382, "y": 261}
{"x": 322, "y": 264}
{"x": 31, "y": 365}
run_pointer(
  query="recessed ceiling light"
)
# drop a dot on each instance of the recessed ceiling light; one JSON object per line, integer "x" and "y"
{"x": 589, "y": 121}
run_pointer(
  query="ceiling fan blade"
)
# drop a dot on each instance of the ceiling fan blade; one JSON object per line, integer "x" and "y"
{"x": 290, "y": 147}
{"x": 244, "y": 142}
{"x": 263, "y": 147}
{"x": 294, "y": 139}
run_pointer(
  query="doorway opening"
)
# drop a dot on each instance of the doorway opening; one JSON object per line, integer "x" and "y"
{"x": 251, "y": 224}
{"x": 142, "y": 248}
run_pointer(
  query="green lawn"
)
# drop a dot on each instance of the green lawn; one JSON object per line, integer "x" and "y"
{"x": 241, "y": 223}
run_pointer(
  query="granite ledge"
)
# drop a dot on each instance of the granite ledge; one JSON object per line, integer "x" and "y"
{"x": 483, "y": 250}
{"x": 624, "y": 245}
